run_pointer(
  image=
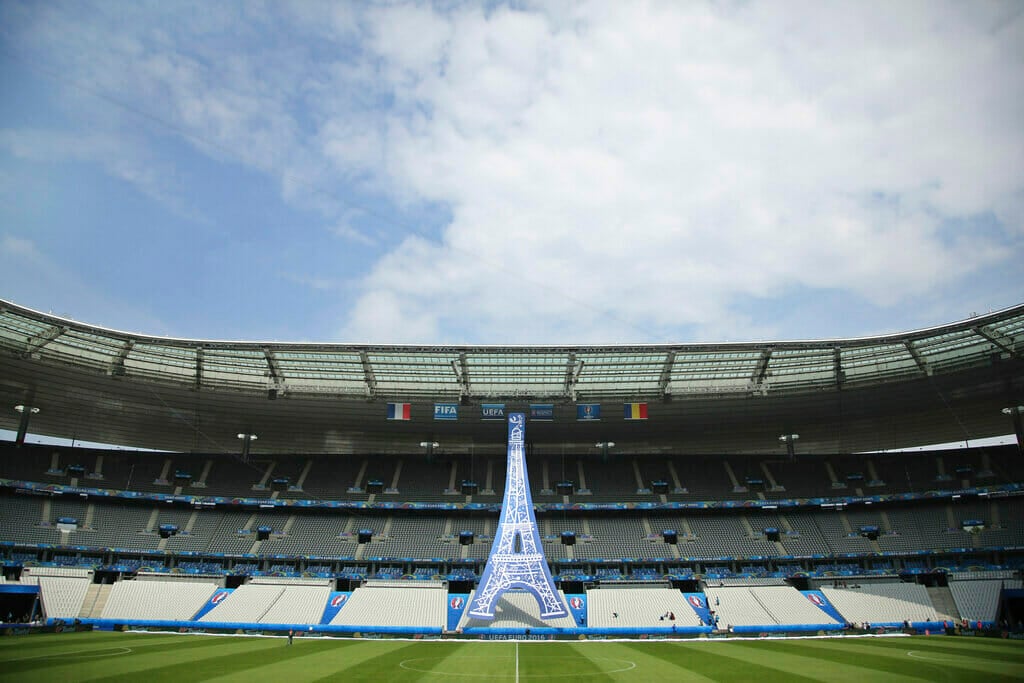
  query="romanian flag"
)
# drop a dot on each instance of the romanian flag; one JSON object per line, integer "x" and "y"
{"x": 634, "y": 411}
{"x": 399, "y": 411}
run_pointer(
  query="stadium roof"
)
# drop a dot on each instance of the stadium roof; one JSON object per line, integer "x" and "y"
{"x": 93, "y": 383}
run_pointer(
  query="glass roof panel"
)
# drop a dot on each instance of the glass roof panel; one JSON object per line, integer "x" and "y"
{"x": 235, "y": 366}
{"x": 541, "y": 372}
{"x": 15, "y": 330}
{"x": 83, "y": 347}
{"x": 867, "y": 362}
{"x": 410, "y": 371}
{"x": 155, "y": 359}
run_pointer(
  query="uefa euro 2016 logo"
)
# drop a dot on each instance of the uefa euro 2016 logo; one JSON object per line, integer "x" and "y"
{"x": 337, "y": 600}
{"x": 696, "y": 602}
{"x": 457, "y": 603}
{"x": 576, "y": 603}
{"x": 216, "y": 599}
{"x": 816, "y": 599}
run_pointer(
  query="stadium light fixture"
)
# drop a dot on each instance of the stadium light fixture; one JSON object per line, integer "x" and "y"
{"x": 246, "y": 440}
{"x": 1015, "y": 413}
{"x": 789, "y": 440}
{"x": 606, "y": 447}
{"x": 429, "y": 447}
{"x": 26, "y": 413}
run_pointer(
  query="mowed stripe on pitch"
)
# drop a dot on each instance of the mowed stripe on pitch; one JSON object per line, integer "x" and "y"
{"x": 843, "y": 660}
{"x": 934, "y": 658}
{"x": 652, "y": 664}
{"x": 319, "y": 659}
{"x": 570, "y": 662}
{"x": 78, "y": 656}
{"x": 231, "y": 654}
{"x": 718, "y": 662}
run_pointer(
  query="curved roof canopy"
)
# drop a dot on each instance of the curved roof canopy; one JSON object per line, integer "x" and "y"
{"x": 99, "y": 384}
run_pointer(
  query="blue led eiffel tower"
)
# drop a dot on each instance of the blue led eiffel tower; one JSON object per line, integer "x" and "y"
{"x": 517, "y": 556}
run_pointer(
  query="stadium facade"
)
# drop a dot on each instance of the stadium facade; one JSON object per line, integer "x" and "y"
{"x": 946, "y": 383}
{"x": 297, "y": 481}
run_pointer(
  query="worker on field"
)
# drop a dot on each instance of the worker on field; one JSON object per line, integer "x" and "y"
{"x": 291, "y": 634}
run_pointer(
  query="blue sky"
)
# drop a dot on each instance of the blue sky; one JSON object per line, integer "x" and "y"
{"x": 600, "y": 172}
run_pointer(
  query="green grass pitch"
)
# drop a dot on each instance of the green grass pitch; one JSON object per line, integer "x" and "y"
{"x": 151, "y": 658}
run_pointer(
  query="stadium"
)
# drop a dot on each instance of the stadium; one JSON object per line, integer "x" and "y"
{"x": 420, "y": 340}
{"x": 715, "y": 491}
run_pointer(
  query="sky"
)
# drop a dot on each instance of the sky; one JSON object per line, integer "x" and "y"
{"x": 512, "y": 173}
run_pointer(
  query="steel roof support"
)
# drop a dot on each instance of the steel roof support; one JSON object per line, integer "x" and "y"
{"x": 916, "y": 355}
{"x": 199, "y": 369}
{"x": 761, "y": 371}
{"x": 837, "y": 366}
{"x": 462, "y": 374}
{"x": 273, "y": 369}
{"x": 666, "y": 374}
{"x": 368, "y": 376}
{"x": 38, "y": 341}
{"x": 572, "y": 375}
{"x": 1004, "y": 342}
{"x": 117, "y": 366}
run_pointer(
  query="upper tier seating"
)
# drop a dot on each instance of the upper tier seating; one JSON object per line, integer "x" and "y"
{"x": 621, "y": 479}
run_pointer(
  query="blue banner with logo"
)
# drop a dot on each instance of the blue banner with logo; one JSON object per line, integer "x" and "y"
{"x": 699, "y": 603}
{"x": 819, "y": 600}
{"x": 218, "y": 597}
{"x": 492, "y": 411}
{"x": 456, "y": 606}
{"x": 578, "y": 606}
{"x": 334, "y": 605}
{"x": 446, "y": 411}
{"x": 588, "y": 411}
{"x": 542, "y": 412}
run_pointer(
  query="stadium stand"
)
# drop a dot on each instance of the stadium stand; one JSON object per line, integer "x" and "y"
{"x": 882, "y": 603}
{"x": 410, "y": 604}
{"x": 157, "y": 600}
{"x": 516, "y": 609}
{"x": 978, "y": 599}
{"x": 248, "y": 603}
{"x": 62, "y": 598}
{"x": 635, "y": 607}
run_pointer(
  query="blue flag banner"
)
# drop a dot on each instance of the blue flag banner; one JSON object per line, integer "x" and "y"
{"x": 456, "y": 606}
{"x": 219, "y": 596}
{"x": 446, "y": 411}
{"x": 578, "y": 607}
{"x": 699, "y": 603}
{"x": 334, "y": 605}
{"x": 492, "y": 411}
{"x": 588, "y": 411}
{"x": 542, "y": 412}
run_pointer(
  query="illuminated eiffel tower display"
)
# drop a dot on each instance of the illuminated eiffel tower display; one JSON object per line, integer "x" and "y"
{"x": 517, "y": 556}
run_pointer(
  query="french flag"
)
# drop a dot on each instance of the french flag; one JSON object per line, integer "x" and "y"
{"x": 399, "y": 411}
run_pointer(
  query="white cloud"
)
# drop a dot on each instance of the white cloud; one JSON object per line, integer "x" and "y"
{"x": 119, "y": 157}
{"x": 613, "y": 171}
{"x": 642, "y": 167}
